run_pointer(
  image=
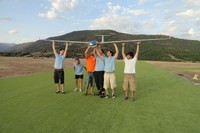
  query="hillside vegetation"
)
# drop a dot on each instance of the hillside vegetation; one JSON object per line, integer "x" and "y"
{"x": 165, "y": 50}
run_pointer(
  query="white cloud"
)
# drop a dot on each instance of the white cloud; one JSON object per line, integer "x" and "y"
{"x": 122, "y": 19}
{"x": 193, "y": 2}
{"x": 141, "y": 2}
{"x": 51, "y": 14}
{"x": 136, "y": 12}
{"x": 190, "y": 32}
{"x": 172, "y": 22}
{"x": 58, "y": 6}
{"x": 189, "y": 13}
{"x": 12, "y": 31}
{"x": 63, "y": 5}
{"x": 113, "y": 8}
{"x": 127, "y": 11}
{"x": 198, "y": 20}
{"x": 169, "y": 31}
{"x": 115, "y": 22}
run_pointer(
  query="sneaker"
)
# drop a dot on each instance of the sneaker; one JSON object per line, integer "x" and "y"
{"x": 133, "y": 98}
{"x": 63, "y": 92}
{"x": 57, "y": 92}
{"x": 80, "y": 90}
{"x": 102, "y": 95}
{"x": 99, "y": 94}
{"x": 126, "y": 98}
{"x": 76, "y": 89}
{"x": 107, "y": 96}
{"x": 113, "y": 96}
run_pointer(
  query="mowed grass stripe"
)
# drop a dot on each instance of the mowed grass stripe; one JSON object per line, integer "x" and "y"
{"x": 164, "y": 103}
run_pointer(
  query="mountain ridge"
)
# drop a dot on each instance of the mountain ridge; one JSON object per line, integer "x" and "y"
{"x": 152, "y": 50}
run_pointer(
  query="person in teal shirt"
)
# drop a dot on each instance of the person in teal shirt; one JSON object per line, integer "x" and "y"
{"x": 59, "y": 67}
{"x": 109, "y": 69}
{"x": 99, "y": 70}
{"x": 79, "y": 72}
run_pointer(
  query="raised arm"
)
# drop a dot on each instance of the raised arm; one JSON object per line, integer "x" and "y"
{"x": 53, "y": 47}
{"x": 66, "y": 48}
{"x": 123, "y": 54}
{"x": 116, "y": 50}
{"x": 137, "y": 50}
{"x": 97, "y": 48}
{"x": 86, "y": 51}
{"x": 97, "y": 51}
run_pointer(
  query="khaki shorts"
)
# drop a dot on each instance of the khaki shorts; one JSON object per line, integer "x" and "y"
{"x": 129, "y": 82}
{"x": 109, "y": 79}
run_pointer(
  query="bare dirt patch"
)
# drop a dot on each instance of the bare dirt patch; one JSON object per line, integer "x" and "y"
{"x": 186, "y": 70}
{"x": 14, "y": 66}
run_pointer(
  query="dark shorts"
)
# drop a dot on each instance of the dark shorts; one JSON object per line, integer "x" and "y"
{"x": 78, "y": 76}
{"x": 59, "y": 76}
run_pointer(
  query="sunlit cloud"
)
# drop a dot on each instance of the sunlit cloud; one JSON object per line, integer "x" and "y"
{"x": 58, "y": 6}
{"x": 12, "y": 31}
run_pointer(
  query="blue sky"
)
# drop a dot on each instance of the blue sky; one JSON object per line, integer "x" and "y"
{"x": 29, "y": 20}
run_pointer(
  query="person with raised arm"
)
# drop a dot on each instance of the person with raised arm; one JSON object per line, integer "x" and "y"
{"x": 109, "y": 75}
{"x": 99, "y": 70}
{"x": 130, "y": 71}
{"x": 59, "y": 67}
{"x": 90, "y": 66}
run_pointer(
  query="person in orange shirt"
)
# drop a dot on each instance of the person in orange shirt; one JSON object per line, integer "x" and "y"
{"x": 90, "y": 66}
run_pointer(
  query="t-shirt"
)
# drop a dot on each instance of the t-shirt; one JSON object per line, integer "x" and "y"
{"x": 100, "y": 64}
{"x": 79, "y": 68}
{"x": 90, "y": 63}
{"x": 130, "y": 65}
{"x": 109, "y": 64}
{"x": 59, "y": 61}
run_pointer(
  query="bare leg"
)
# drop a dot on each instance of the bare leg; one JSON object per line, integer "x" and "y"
{"x": 76, "y": 83}
{"x": 81, "y": 83}
{"x": 58, "y": 87}
{"x": 113, "y": 91}
{"x": 126, "y": 92}
{"x": 132, "y": 93}
{"x": 91, "y": 92}
{"x": 86, "y": 90}
{"x": 62, "y": 85}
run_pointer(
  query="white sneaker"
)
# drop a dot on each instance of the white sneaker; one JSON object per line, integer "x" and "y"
{"x": 76, "y": 89}
{"x": 107, "y": 96}
{"x": 80, "y": 90}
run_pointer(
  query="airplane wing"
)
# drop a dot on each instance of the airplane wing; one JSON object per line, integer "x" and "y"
{"x": 66, "y": 41}
{"x": 106, "y": 42}
{"x": 136, "y": 40}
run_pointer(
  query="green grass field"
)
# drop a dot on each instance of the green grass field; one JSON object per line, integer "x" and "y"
{"x": 164, "y": 103}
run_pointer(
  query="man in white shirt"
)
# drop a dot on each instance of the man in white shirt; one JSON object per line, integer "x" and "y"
{"x": 129, "y": 71}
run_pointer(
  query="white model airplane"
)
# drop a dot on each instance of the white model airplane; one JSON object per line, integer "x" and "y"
{"x": 94, "y": 42}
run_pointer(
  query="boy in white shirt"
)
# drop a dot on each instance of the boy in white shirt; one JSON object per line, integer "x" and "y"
{"x": 129, "y": 71}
